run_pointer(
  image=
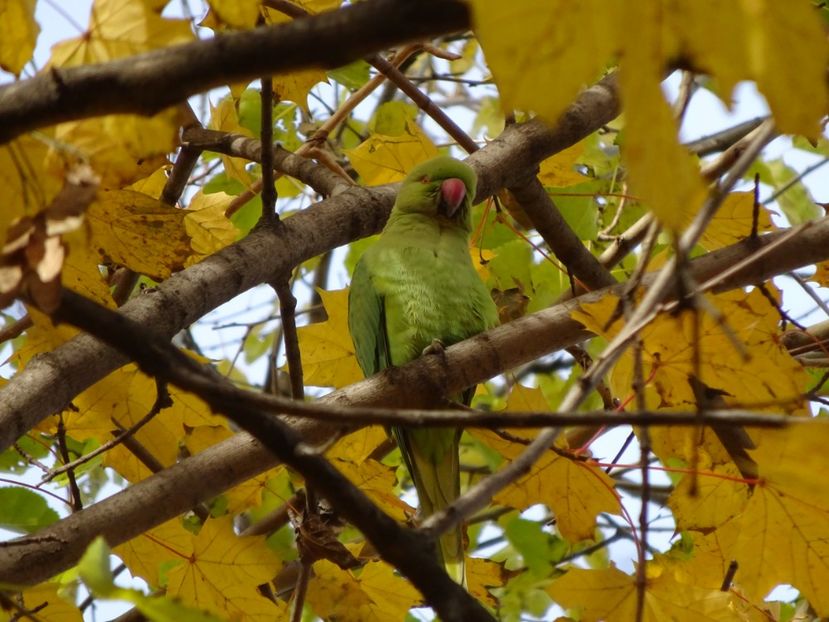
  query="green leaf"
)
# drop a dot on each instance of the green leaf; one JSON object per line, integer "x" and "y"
{"x": 391, "y": 118}
{"x": 222, "y": 183}
{"x": 12, "y": 461}
{"x": 580, "y": 212}
{"x": 534, "y": 544}
{"x": 795, "y": 201}
{"x": 351, "y": 76}
{"x": 490, "y": 117}
{"x": 24, "y": 511}
{"x": 511, "y": 266}
{"x": 164, "y": 609}
{"x": 94, "y": 568}
{"x": 250, "y": 111}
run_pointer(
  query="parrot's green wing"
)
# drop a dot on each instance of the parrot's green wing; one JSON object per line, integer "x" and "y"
{"x": 367, "y": 322}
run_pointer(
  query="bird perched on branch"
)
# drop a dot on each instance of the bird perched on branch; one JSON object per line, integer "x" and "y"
{"x": 414, "y": 287}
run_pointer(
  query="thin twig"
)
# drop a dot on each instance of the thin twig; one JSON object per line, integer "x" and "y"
{"x": 287, "y": 306}
{"x": 76, "y": 502}
{"x": 269, "y": 214}
{"x": 16, "y": 328}
{"x": 162, "y": 401}
{"x": 424, "y": 102}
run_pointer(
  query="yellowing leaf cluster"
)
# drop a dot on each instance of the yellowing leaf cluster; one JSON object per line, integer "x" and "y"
{"x": 574, "y": 490}
{"x": 119, "y": 28}
{"x": 375, "y": 595}
{"x": 739, "y": 352}
{"x": 562, "y": 46}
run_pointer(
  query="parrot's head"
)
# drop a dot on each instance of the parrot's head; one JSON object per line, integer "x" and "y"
{"x": 442, "y": 187}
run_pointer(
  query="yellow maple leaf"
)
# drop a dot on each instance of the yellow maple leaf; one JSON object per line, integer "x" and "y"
{"x": 29, "y": 186}
{"x": 225, "y": 118}
{"x": 574, "y": 490}
{"x": 214, "y": 570}
{"x": 80, "y": 269}
{"x": 351, "y": 457}
{"x": 719, "y": 495}
{"x": 119, "y": 28}
{"x": 237, "y": 13}
{"x": 18, "y": 34}
{"x": 152, "y": 185}
{"x": 145, "y": 554}
{"x": 609, "y": 594}
{"x": 328, "y": 358}
{"x": 222, "y": 571}
{"x": 207, "y": 226}
{"x": 559, "y": 46}
{"x": 662, "y": 173}
{"x": 243, "y": 496}
{"x": 124, "y": 397}
{"x": 358, "y": 446}
{"x": 783, "y": 534}
{"x": 45, "y": 599}
{"x": 559, "y": 170}
{"x": 377, "y": 481}
{"x": 43, "y": 336}
{"x": 385, "y": 159}
{"x": 733, "y": 221}
{"x": 139, "y": 232}
{"x": 375, "y": 595}
{"x": 483, "y": 575}
{"x": 120, "y": 148}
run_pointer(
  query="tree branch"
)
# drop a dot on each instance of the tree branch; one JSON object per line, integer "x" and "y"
{"x": 147, "y": 83}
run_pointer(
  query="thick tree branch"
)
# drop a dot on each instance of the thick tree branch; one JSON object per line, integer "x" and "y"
{"x": 148, "y": 83}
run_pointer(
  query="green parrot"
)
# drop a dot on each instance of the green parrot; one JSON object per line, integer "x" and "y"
{"x": 414, "y": 286}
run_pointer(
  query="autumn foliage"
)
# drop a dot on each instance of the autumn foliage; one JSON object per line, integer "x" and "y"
{"x": 648, "y": 436}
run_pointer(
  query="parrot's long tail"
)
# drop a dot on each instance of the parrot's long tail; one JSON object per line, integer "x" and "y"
{"x": 431, "y": 455}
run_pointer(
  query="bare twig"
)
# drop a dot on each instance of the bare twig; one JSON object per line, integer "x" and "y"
{"x": 76, "y": 502}
{"x": 287, "y": 306}
{"x": 269, "y": 214}
{"x": 16, "y": 328}
{"x": 424, "y": 103}
{"x": 162, "y": 401}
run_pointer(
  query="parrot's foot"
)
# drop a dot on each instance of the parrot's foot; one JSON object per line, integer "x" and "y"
{"x": 436, "y": 347}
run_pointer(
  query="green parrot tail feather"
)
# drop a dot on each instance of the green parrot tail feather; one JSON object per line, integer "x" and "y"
{"x": 431, "y": 456}
{"x": 450, "y": 549}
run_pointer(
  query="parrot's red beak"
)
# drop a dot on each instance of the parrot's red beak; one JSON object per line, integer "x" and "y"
{"x": 453, "y": 193}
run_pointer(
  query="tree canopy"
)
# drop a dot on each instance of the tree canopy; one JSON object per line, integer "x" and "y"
{"x": 647, "y": 437}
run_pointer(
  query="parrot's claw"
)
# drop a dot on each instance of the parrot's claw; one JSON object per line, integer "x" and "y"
{"x": 436, "y": 347}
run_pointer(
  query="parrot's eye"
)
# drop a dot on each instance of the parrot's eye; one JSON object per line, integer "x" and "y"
{"x": 425, "y": 179}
